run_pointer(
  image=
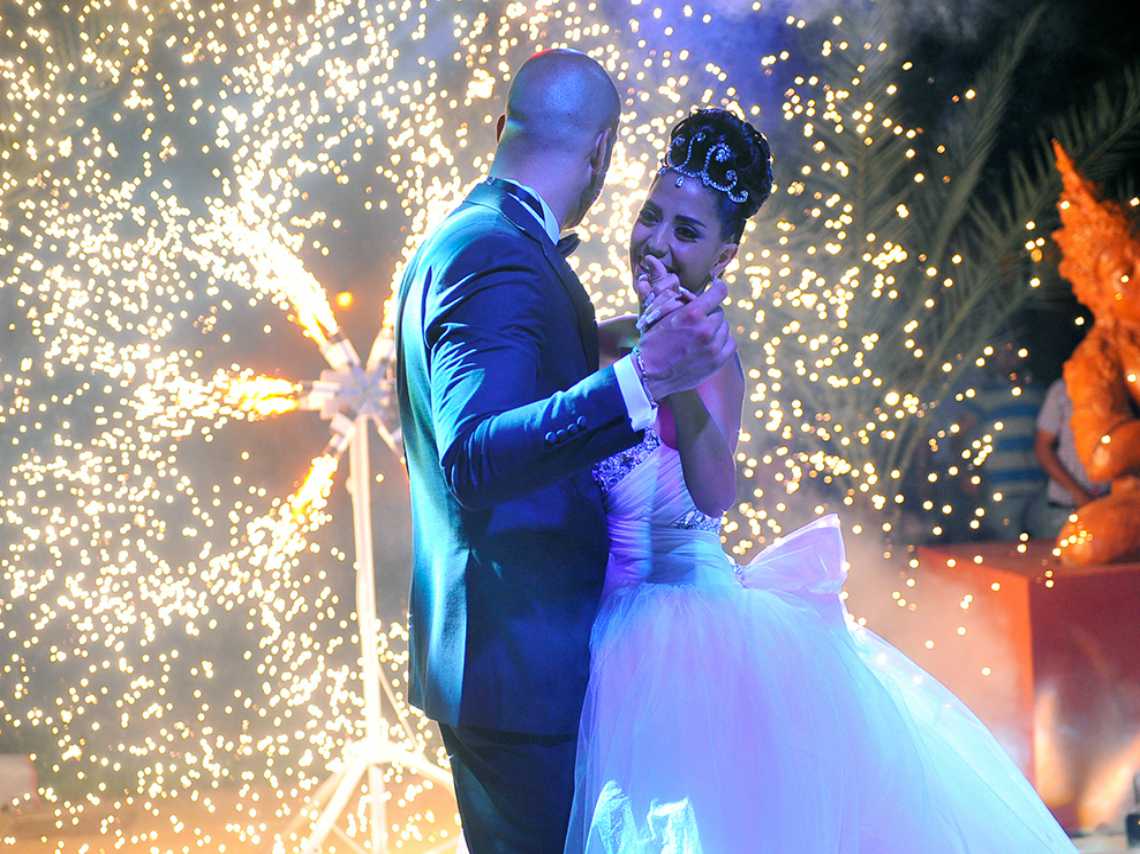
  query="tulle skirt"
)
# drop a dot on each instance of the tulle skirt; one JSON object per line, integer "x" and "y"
{"x": 748, "y": 715}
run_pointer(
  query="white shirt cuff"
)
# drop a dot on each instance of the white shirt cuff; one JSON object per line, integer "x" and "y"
{"x": 642, "y": 414}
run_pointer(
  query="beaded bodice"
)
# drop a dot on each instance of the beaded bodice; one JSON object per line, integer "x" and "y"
{"x": 657, "y": 534}
{"x": 610, "y": 472}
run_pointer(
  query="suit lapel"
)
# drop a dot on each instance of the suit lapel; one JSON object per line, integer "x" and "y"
{"x": 587, "y": 319}
{"x": 490, "y": 194}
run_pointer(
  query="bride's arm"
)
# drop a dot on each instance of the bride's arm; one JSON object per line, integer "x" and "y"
{"x": 707, "y": 421}
{"x": 616, "y": 337}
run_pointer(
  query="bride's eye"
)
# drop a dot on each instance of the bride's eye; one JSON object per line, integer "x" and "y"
{"x": 646, "y": 216}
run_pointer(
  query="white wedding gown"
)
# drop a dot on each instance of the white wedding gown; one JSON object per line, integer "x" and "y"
{"x": 735, "y": 709}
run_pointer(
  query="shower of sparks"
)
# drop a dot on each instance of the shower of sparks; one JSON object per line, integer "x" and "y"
{"x": 171, "y": 177}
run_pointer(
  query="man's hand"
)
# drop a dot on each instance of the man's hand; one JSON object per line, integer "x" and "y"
{"x": 686, "y": 346}
{"x": 1081, "y": 496}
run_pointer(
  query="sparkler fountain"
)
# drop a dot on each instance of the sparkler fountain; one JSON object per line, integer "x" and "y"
{"x": 352, "y": 395}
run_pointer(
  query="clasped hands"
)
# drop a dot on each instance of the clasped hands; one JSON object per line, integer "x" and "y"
{"x": 685, "y": 337}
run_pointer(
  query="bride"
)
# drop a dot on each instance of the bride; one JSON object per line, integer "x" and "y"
{"x": 735, "y": 708}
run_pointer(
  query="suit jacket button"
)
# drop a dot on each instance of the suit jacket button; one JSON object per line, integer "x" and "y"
{"x": 550, "y": 438}
{"x": 560, "y": 435}
{"x": 581, "y": 422}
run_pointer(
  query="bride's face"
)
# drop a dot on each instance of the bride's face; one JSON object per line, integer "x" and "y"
{"x": 682, "y": 228}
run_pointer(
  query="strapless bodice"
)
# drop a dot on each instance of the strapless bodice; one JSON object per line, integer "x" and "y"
{"x": 657, "y": 533}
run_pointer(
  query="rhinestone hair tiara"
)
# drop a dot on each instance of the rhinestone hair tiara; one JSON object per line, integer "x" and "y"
{"x": 720, "y": 152}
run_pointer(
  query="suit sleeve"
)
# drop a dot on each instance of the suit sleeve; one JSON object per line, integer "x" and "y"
{"x": 496, "y": 438}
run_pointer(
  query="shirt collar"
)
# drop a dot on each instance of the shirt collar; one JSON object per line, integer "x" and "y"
{"x": 549, "y": 223}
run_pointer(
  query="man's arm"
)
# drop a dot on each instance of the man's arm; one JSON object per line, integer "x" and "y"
{"x": 496, "y": 439}
{"x": 1045, "y": 447}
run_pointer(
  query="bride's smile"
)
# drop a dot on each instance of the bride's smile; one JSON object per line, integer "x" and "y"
{"x": 681, "y": 227}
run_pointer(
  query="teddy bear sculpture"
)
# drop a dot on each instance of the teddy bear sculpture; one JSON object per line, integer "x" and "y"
{"x": 1101, "y": 258}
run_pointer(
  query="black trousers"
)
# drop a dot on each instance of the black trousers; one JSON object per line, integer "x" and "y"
{"x": 514, "y": 789}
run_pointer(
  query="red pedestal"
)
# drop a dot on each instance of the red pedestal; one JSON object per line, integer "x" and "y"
{"x": 1050, "y": 661}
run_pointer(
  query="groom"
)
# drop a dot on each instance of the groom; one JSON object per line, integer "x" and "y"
{"x": 504, "y": 411}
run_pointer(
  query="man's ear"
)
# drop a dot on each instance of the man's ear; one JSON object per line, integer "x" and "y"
{"x": 499, "y": 125}
{"x": 603, "y": 148}
{"x": 723, "y": 258}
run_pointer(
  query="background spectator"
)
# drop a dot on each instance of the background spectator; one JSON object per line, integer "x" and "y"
{"x": 1069, "y": 486}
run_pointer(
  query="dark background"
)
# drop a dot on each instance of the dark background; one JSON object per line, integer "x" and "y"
{"x": 1077, "y": 44}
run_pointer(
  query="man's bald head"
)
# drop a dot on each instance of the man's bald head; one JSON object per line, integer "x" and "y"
{"x": 560, "y": 101}
{"x": 559, "y": 131}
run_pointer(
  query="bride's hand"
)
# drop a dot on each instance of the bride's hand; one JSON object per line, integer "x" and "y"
{"x": 660, "y": 293}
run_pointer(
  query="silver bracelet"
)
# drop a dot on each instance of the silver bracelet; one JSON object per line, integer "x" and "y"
{"x": 639, "y": 366}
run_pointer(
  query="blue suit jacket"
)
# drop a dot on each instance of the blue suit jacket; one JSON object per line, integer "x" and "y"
{"x": 504, "y": 412}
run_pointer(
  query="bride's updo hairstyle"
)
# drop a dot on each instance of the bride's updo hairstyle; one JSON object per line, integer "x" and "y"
{"x": 727, "y": 155}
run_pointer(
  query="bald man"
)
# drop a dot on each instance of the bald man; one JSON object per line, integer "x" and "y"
{"x": 504, "y": 412}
